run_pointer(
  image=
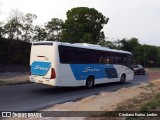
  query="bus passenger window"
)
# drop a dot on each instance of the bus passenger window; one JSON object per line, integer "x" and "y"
{"x": 112, "y": 58}
{"x": 104, "y": 60}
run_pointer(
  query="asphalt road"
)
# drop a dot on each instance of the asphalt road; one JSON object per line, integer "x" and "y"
{"x": 29, "y": 97}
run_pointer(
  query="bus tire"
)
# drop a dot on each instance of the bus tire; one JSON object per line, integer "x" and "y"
{"x": 123, "y": 78}
{"x": 90, "y": 82}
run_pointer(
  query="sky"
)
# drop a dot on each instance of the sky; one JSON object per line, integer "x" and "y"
{"x": 128, "y": 18}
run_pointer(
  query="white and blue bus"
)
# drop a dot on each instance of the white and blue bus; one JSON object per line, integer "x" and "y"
{"x": 79, "y": 64}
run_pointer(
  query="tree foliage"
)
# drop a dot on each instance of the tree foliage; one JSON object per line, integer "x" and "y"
{"x": 1, "y": 29}
{"x": 19, "y": 26}
{"x": 39, "y": 34}
{"x": 151, "y": 54}
{"x": 146, "y": 55}
{"x": 28, "y": 27}
{"x": 13, "y": 27}
{"x": 14, "y": 52}
{"x": 54, "y": 29}
{"x": 109, "y": 44}
{"x": 84, "y": 25}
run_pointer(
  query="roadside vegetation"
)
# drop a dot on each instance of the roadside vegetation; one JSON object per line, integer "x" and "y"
{"x": 144, "y": 103}
{"x": 152, "y": 105}
{"x": 153, "y": 69}
{"x": 14, "y": 52}
{"x": 3, "y": 83}
{"x": 83, "y": 24}
{"x": 11, "y": 78}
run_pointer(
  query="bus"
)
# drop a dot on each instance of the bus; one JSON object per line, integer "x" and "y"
{"x": 78, "y": 64}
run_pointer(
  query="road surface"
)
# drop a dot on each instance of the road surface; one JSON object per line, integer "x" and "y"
{"x": 32, "y": 96}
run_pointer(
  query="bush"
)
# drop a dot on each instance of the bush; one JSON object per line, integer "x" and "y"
{"x": 14, "y": 52}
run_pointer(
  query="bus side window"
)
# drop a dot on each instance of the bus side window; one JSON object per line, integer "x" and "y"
{"x": 95, "y": 57}
{"x": 120, "y": 59}
{"x": 116, "y": 58}
{"x": 80, "y": 55}
{"x": 87, "y": 56}
{"x": 124, "y": 60}
{"x": 77, "y": 55}
{"x": 91, "y": 56}
{"x": 130, "y": 61}
{"x": 64, "y": 54}
{"x": 104, "y": 60}
{"x": 112, "y": 58}
{"x": 73, "y": 55}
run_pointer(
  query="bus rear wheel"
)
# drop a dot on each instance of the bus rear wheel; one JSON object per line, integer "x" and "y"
{"x": 123, "y": 78}
{"x": 90, "y": 82}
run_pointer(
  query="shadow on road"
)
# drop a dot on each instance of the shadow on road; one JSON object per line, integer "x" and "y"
{"x": 107, "y": 87}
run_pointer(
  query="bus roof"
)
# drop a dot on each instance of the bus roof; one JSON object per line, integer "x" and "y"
{"x": 82, "y": 45}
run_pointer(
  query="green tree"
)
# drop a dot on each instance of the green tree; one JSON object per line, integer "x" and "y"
{"x": 84, "y": 25}
{"x": 54, "y": 29}
{"x": 132, "y": 45}
{"x": 109, "y": 44}
{"x": 13, "y": 27}
{"x": 1, "y": 29}
{"x": 129, "y": 45}
{"x": 151, "y": 55}
{"x": 146, "y": 55}
{"x": 39, "y": 34}
{"x": 28, "y": 27}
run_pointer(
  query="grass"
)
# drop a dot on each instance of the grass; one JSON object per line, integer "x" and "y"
{"x": 151, "y": 105}
{"x": 146, "y": 102}
{"x": 153, "y": 69}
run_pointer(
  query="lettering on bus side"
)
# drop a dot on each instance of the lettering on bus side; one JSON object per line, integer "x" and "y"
{"x": 89, "y": 69}
{"x": 40, "y": 68}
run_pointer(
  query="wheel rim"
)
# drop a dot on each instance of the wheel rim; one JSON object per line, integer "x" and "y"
{"x": 89, "y": 83}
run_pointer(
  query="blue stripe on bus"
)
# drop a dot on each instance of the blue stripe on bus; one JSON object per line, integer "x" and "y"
{"x": 82, "y": 71}
{"x": 40, "y": 68}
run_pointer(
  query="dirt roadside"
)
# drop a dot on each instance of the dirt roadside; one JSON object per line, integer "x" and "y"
{"x": 125, "y": 99}
{"x": 9, "y": 78}
{"x": 107, "y": 101}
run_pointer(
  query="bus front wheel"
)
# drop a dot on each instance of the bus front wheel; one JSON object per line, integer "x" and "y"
{"x": 90, "y": 82}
